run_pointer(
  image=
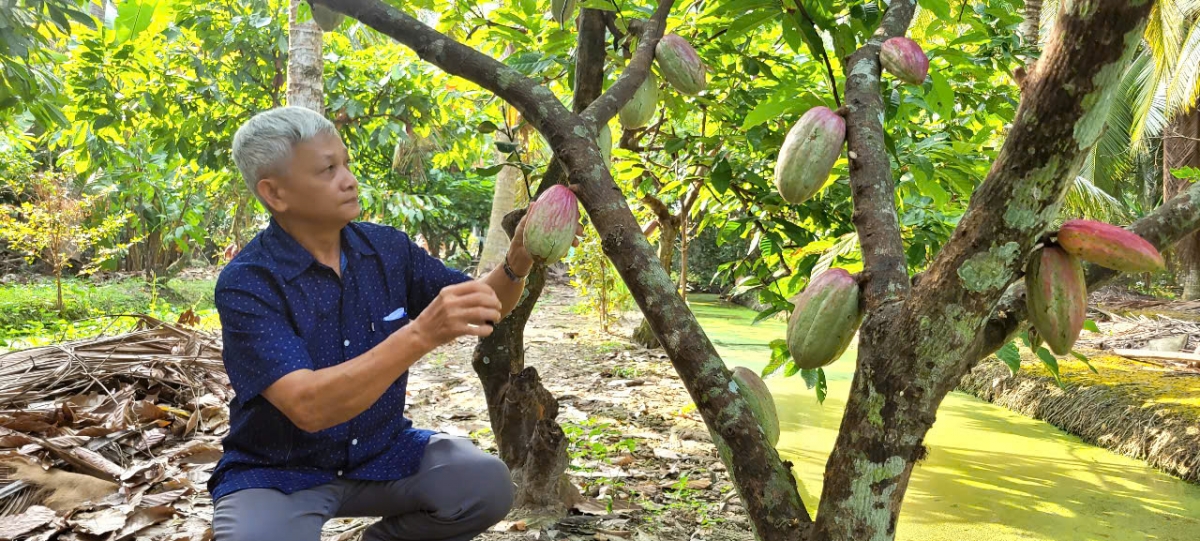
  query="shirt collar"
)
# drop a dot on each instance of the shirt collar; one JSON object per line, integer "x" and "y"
{"x": 291, "y": 259}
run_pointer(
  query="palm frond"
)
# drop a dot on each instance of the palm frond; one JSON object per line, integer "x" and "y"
{"x": 1089, "y": 201}
{"x": 1184, "y": 87}
{"x": 1148, "y": 96}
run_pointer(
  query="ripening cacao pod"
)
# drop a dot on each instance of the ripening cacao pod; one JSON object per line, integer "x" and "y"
{"x": 903, "y": 58}
{"x": 1057, "y": 297}
{"x": 550, "y": 224}
{"x": 1109, "y": 246}
{"x": 639, "y": 111}
{"x": 825, "y": 319}
{"x": 808, "y": 154}
{"x": 562, "y": 11}
{"x": 754, "y": 391}
{"x": 680, "y": 65}
{"x": 326, "y": 18}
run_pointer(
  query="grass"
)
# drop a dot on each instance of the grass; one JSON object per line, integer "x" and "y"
{"x": 28, "y": 315}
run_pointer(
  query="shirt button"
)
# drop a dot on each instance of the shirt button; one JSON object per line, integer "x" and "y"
{"x": 354, "y": 441}
{"x": 346, "y": 343}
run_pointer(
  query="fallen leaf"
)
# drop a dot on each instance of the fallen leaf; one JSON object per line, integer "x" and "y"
{"x": 665, "y": 454}
{"x": 143, "y": 518}
{"x": 33, "y": 518}
{"x": 98, "y": 522}
{"x": 162, "y": 498}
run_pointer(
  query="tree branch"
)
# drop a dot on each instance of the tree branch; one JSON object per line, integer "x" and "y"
{"x": 589, "y": 59}
{"x": 1175, "y": 219}
{"x": 536, "y": 103}
{"x": 606, "y": 106}
{"x": 1060, "y": 118}
{"x": 871, "y": 182}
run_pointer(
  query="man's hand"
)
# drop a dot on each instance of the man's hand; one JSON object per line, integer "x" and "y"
{"x": 459, "y": 310}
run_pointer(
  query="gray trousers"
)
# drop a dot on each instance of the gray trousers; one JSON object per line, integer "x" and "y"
{"x": 458, "y": 493}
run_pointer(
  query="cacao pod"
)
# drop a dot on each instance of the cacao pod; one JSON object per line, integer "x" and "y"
{"x": 604, "y": 140}
{"x": 550, "y": 224}
{"x": 562, "y": 11}
{"x": 755, "y": 392}
{"x": 1109, "y": 246}
{"x": 808, "y": 154}
{"x": 825, "y": 319}
{"x": 639, "y": 111}
{"x": 1057, "y": 297}
{"x": 680, "y": 65}
{"x": 326, "y": 18}
{"x": 903, "y": 58}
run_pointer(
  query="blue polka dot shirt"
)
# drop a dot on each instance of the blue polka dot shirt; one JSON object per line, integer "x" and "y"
{"x": 283, "y": 311}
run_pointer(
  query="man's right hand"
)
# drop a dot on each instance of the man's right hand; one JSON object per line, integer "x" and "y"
{"x": 459, "y": 310}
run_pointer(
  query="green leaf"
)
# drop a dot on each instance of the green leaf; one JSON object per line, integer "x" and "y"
{"x": 822, "y": 386}
{"x": 721, "y": 175}
{"x": 1051, "y": 364}
{"x": 792, "y": 369}
{"x": 489, "y": 171}
{"x": 1090, "y": 325}
{"x": 779, "y": 355}
{"x": 1085, "y": 360}
{"x": 1011, "y": 356}
{"x": 930, "y": 187}
{"x": 810, "y": 377}
{"x": 134, "y": 17}
{"x": 505, "y": 147}
{"x": 941, "y": 8}
{"x": 602, "y": 5}
{"x": 767, "y": 313}
{"x": 487, "y": 126}
{"x": 785, "y": 99}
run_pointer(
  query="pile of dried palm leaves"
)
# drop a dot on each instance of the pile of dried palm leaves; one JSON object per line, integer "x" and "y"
{"x": 112, "y": 437}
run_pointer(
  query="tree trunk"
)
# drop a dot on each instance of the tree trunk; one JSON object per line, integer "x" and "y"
{"x": 504, "y": 200}
{"x": 1031, "y": 23}
{"x": 669, "y": 231}
{"x": 1181, "y": 148}
{"x": 522, "y": 412}
{"x": 305, "y": 73}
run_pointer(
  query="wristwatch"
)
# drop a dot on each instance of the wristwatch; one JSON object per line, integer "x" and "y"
{"x": 508, "y": 270}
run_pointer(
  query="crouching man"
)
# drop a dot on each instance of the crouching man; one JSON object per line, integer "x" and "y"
{"x": 321, "y": 318}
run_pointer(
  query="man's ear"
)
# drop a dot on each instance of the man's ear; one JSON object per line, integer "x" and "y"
{"x": 270, "y": 190}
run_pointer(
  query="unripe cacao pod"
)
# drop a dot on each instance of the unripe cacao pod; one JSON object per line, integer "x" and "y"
{"x": 604, "y": 140}
{"x": 903, "y": 58}
{"x": 825, "y": 319}
{"x": 326, "y": 18}
{"x": 808, "y": 154}
{"x": 562, "y": 11}
{"x": 680, "y": 65}
{"x": 550, "y": 224}
{"x": 1056, "y": 292}
{"x": 755, "y": 392}
{"x": 1109, "y": 246}
{"x": 639, "y": 111}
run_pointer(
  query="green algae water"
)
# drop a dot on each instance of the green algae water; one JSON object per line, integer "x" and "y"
{"x": 991, "y": 474}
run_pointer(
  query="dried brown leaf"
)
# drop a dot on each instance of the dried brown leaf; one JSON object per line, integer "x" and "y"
{"x": 107, "y": 520}
{"x": 17, "y": 525}
{"x": 143, "y": 518}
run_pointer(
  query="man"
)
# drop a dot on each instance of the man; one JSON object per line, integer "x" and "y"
{"x": 322, "y": 318}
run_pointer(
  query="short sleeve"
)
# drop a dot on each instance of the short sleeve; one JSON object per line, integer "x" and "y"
{"x": 427, "y": 276}
{"x": 260, "y": 345}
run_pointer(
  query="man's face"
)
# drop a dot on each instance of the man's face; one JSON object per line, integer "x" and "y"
{"x": 316, "y": 185}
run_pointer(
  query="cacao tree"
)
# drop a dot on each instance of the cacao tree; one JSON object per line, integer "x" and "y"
{"x": 964, "y": 305}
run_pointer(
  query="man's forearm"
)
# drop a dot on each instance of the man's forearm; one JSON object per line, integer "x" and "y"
{"x": 507, "y": 290}
{"x": 316, "y": 400}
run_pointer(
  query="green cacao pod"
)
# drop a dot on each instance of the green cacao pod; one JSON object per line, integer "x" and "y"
{"x": 1109, "y": 246}
{"x": 808, "y": 153}
{"x": 826, "y": 316}
{"x": 680, "y": 65}
{"x": 639, "y": 111}
{"x": 550, "y": 224}
{"x": 604, "y": 140}
{"x": 1057, "y": 297}
{"x": 326, "y": 18}
{"x": 904, "y": 59}
{"x": 563, "y": 11}
{"x": 755, "y": 392}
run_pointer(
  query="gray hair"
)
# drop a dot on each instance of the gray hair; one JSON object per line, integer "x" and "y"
{"x": 265, "y": 141}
